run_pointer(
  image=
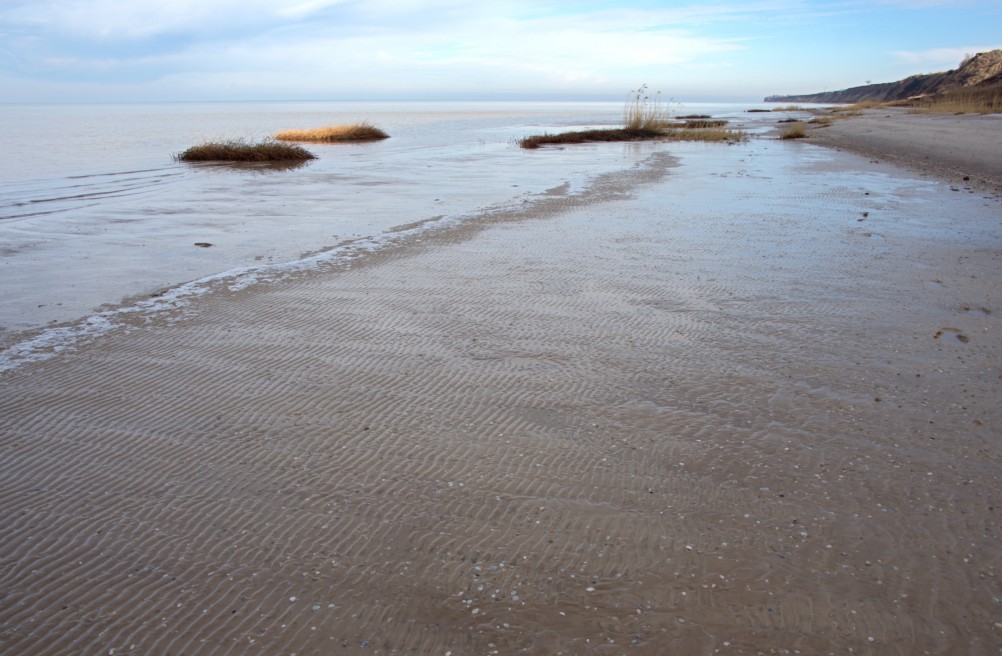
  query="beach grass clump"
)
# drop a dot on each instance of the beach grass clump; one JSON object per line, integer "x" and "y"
{"x": 629, "y": 134}
{"x": 788, "y": 108}
{"x": 794, "y": 131}
{"x": 822, "y": 121}
{"x": 964, "y": 101}
{"x": 240, "y": 150}
{"x": 590, "y": 136}
{"x": 645, "y": 118}
{"x": 704, "y": 134}
{"x": 645, "y": 111}
{"x": 347, "y": 132}
{"x": 697, "y": 123}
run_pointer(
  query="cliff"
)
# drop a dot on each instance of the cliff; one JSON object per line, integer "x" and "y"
{"x": 982, "y": 70}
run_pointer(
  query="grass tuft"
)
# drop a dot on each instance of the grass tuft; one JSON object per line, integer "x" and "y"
{"x": 794, "y": 131}
{"x": 788, "y": 108}
{"x": 964, "y": 101}
{"x": 707, "y": 122}
{"x": 846, "y": 112}
{"x": 704, "y": 134}
{"x": 238, "y": 150}
{"x": 587, "y": 136}
{"x": 646, "y": 112}
{"x": 645, "y": 118}
{"x": 629, "y": 134}
{"x": 348, "y": 132}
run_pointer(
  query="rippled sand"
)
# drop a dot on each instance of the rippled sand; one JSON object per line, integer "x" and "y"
{"x": 742, "y": 405}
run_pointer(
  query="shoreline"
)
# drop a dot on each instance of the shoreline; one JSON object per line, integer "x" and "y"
{"x": 963, "y": 149}
{"x": 747, "y": 403}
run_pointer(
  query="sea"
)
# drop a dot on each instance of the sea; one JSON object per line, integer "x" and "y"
{"x": 99, "y": 221}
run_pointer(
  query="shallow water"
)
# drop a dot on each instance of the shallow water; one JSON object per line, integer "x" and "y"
{"x": 93, "y": 209}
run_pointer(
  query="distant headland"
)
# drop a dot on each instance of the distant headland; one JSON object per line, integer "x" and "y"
{"x": 981, "y": 71}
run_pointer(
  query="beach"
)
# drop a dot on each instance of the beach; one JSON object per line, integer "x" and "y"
{"x": 962, "y": 148}
{"x": 735, "y": 399}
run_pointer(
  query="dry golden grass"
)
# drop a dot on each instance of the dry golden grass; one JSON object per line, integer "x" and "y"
{"x": 646, "y": 112}
{"x": 823, "y": 121}
{"x": 238, "y": 150}
{"x": 363, "y": 131}
{"x": 966, "y": 101}
{"x": 631, "y": 134}
{"x": 855, "y": 109}
{"x": 704, "y": 134}
{"x": 788, "y": 108}
{"x": 586, "y": 136}
{"x": 704, "y": 123}
{"x": 794, "y": 131}
{"x": 645, "y": 118}
{"x": 963, "y": 101}
{"x": 845, "y": 112}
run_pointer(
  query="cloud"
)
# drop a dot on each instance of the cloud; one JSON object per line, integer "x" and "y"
{"x": 358, "y": 48}
{"x": 96, "y": 20}
{"x": 337, "y": 43}
{"x": 939, "y": 59}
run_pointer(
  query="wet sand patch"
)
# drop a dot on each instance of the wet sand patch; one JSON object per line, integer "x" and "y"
{"x": 637, "y": 425}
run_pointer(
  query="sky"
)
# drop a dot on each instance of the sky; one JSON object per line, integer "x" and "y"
{"x": 716, "y": 50}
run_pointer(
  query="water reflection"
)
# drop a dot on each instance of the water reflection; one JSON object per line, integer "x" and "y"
{"x": 261, "y": 168}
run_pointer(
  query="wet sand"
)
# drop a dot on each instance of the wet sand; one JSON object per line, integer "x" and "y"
{"x": 742, "y": 403}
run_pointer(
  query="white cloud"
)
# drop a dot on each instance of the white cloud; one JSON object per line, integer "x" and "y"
{"x": 138, "y": 19}
{"x": 939, "y": 59}
{"x": 338, "y": 48}
{"x": 421, "y": 44}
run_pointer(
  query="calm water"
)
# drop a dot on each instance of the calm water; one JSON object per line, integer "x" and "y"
{"x": 93, "y": 209}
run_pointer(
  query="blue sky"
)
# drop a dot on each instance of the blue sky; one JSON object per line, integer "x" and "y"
{"x": 129, "y": 50}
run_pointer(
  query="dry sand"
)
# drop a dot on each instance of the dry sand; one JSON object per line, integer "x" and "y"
{"x": 961, "y": 148}
{"x": 745, "y": 405}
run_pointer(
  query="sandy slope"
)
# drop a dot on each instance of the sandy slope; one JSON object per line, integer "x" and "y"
{"x": 745, "y": 405}
{"x": 954, "y": 147}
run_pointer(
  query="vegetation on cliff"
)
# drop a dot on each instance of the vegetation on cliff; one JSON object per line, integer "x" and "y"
{"x": 981, "y": 72}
